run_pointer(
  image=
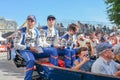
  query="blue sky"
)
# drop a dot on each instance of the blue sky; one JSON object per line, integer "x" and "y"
{"x": 63, "y": 10}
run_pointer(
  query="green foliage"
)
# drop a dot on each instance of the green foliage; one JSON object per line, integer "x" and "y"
{"x": 113, "y": 11}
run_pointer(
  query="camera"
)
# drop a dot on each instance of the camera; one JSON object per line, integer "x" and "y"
{"x": 87, "y": 55}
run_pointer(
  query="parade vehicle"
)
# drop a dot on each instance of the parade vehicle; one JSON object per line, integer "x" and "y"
{"x": 47, "y": 71}
{"x": 57, "y": 73}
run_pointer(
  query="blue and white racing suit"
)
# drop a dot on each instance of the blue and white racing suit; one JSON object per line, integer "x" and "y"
{"x": 70, "y": 43}
{"x": 51, "y": 40}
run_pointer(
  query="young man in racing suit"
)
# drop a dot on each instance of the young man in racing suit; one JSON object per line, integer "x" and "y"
{"x": 51, "y": 40}
{"x": 70, "y": 41}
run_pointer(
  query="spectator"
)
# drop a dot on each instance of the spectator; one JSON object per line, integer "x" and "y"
{"x": 105, "y": 63}
{"x": 83, "y": 62}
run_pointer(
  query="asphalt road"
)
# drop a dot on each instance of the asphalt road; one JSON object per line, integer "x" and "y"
{"x": 8, "y": 70}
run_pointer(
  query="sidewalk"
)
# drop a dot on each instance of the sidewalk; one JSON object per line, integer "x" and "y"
{"x": 8, "y": 70}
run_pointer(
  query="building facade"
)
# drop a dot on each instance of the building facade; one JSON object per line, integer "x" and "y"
{"x": 7, "y": 25}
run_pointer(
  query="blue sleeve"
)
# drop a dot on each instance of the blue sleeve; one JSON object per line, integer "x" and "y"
{"x": 65, "y": 36}
{"x": 27, "y": 48}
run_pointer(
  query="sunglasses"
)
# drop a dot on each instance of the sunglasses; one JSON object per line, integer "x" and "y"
{"x": 87, "y": 42}
{"x": 30, "y": 20}
{"x": 111, "y": 50}
{"x": 51, "y": 19}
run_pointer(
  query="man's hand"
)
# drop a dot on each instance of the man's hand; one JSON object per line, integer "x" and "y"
{"x": 33, "y": 49}
{"x": 117, "y": 74}
{"x": 85, "y": 59}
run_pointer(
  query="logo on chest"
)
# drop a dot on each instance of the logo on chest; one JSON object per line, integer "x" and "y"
{"x": 29, "y": 39}
{"x": 50, "y": 38}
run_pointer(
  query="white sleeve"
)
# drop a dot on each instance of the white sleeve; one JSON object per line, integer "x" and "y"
{"x": 56, "y": 41}
{"x": 42, "y": 42}
{"x": 18, "y": 40}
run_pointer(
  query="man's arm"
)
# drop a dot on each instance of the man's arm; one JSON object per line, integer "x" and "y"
{"x": 117, "y": 74}
{"x": 78, "y": 65}
{"x": 57, "y": 40}
{"x": 18, "y": 40}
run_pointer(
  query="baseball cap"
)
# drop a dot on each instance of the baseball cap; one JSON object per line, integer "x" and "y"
{"x": 51, "y": 16}
{"x": 102, "y": 47}
{"x": 31, "y": 17}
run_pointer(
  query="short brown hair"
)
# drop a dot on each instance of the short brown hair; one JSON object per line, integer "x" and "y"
{"x": 72, "y": 27}
{"x": 82, "y": 49}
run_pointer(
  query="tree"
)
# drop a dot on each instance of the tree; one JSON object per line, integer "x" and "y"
{"x": 113, "y": 11}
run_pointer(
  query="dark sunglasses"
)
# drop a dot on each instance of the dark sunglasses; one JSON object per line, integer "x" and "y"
{"x": 112, "y": 50}
{"x": 30, "y": 20}
{"x": 87, "y": 42}
{"x": 51, "y": 19}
